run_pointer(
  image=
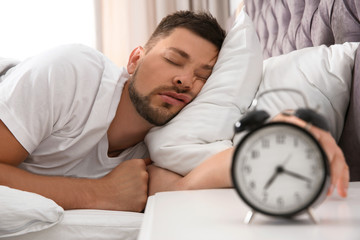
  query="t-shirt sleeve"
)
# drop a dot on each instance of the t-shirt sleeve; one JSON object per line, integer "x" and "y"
{"x": 38, "y": 95}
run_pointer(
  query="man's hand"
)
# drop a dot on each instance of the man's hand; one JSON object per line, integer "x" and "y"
{"x": 338, "y": 167}
{"x": 125, "y": 188}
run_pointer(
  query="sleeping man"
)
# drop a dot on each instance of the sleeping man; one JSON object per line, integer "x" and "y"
{"x": 72, "y": 123}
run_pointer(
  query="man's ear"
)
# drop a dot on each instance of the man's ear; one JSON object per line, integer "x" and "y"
{"x": 134, "y": 58}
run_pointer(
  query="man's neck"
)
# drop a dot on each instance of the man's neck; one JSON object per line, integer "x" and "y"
{"x": 128, "y": 127}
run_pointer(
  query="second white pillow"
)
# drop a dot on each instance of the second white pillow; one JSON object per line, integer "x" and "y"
{"x": 322, "y": 74}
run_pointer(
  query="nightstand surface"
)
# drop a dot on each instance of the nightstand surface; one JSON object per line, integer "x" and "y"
{"x": 219, "y": 214}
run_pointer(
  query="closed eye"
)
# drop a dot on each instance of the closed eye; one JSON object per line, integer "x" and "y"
{"x": 172, "y": 62}
{"x": 202, "y": 78}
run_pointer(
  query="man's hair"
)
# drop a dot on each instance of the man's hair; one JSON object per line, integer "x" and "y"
{"x": 201, "y": 23}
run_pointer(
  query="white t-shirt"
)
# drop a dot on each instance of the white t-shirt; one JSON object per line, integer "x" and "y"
{"x": 59, "y": 106}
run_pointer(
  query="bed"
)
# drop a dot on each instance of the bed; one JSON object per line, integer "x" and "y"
{"x": 282, "y": 27}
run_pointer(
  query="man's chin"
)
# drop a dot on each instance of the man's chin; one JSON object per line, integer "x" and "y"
{"x": 160, "y": 117}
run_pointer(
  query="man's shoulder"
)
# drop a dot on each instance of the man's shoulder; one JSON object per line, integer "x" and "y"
{"x": 77, "y": 55}
{"x": 67, "y": 65}
{"x": 67, "y": 69}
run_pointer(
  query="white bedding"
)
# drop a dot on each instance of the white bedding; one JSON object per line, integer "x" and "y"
{"x": 90, "y": 224}
{"x": 25, "y": 215}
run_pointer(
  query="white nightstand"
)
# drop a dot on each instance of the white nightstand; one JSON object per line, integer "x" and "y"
{"x": 219, "y": 214}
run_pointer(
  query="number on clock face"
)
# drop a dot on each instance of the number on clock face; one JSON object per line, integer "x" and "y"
{"x": 280, "y": 169}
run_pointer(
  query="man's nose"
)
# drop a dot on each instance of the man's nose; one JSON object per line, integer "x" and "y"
{"x": 184, "y": 82}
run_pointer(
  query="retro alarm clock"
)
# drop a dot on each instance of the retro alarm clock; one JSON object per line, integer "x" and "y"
{"x": 279, "y": 169}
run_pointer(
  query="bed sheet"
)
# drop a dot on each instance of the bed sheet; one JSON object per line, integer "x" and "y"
{"x": 90, "y": 224}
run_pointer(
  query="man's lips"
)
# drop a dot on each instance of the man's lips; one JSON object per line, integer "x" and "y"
{"x": 175, "y": 98}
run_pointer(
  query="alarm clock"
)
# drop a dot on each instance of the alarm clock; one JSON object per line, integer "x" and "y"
{"x": 279, "y": 169}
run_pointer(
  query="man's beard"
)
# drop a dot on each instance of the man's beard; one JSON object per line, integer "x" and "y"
{"x": 155, "y": 116}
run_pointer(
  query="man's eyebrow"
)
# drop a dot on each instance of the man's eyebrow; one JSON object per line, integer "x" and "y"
{"x": 187, "y": 56}
{"x": 180, "y": 52}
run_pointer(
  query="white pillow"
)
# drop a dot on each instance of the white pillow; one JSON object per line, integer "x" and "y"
{"x": 206, "y": 125}
{"x": 22, "y": 212}
{"x": 323, "y": 74}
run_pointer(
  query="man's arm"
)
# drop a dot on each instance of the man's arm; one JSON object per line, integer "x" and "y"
{"x": 215, "y": 171}
{"x": 125, "y": 188}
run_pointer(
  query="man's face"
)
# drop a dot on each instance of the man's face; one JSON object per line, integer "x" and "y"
{"x": 170, "y": 75}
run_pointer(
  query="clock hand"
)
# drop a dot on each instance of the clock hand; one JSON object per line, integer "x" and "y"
{"x": 278, "y": 170}
{"x": 296, "y": 175}
{"x": 286, "y": 160}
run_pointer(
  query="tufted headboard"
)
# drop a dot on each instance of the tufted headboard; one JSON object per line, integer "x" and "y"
{"x": 287, "y": 25}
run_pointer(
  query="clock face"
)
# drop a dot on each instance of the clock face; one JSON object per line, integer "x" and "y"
{"x": 279, "y": 169}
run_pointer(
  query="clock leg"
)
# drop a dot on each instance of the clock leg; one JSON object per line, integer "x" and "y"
{"x": 249, "y": 216}
{"x": 312, "y": 216}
